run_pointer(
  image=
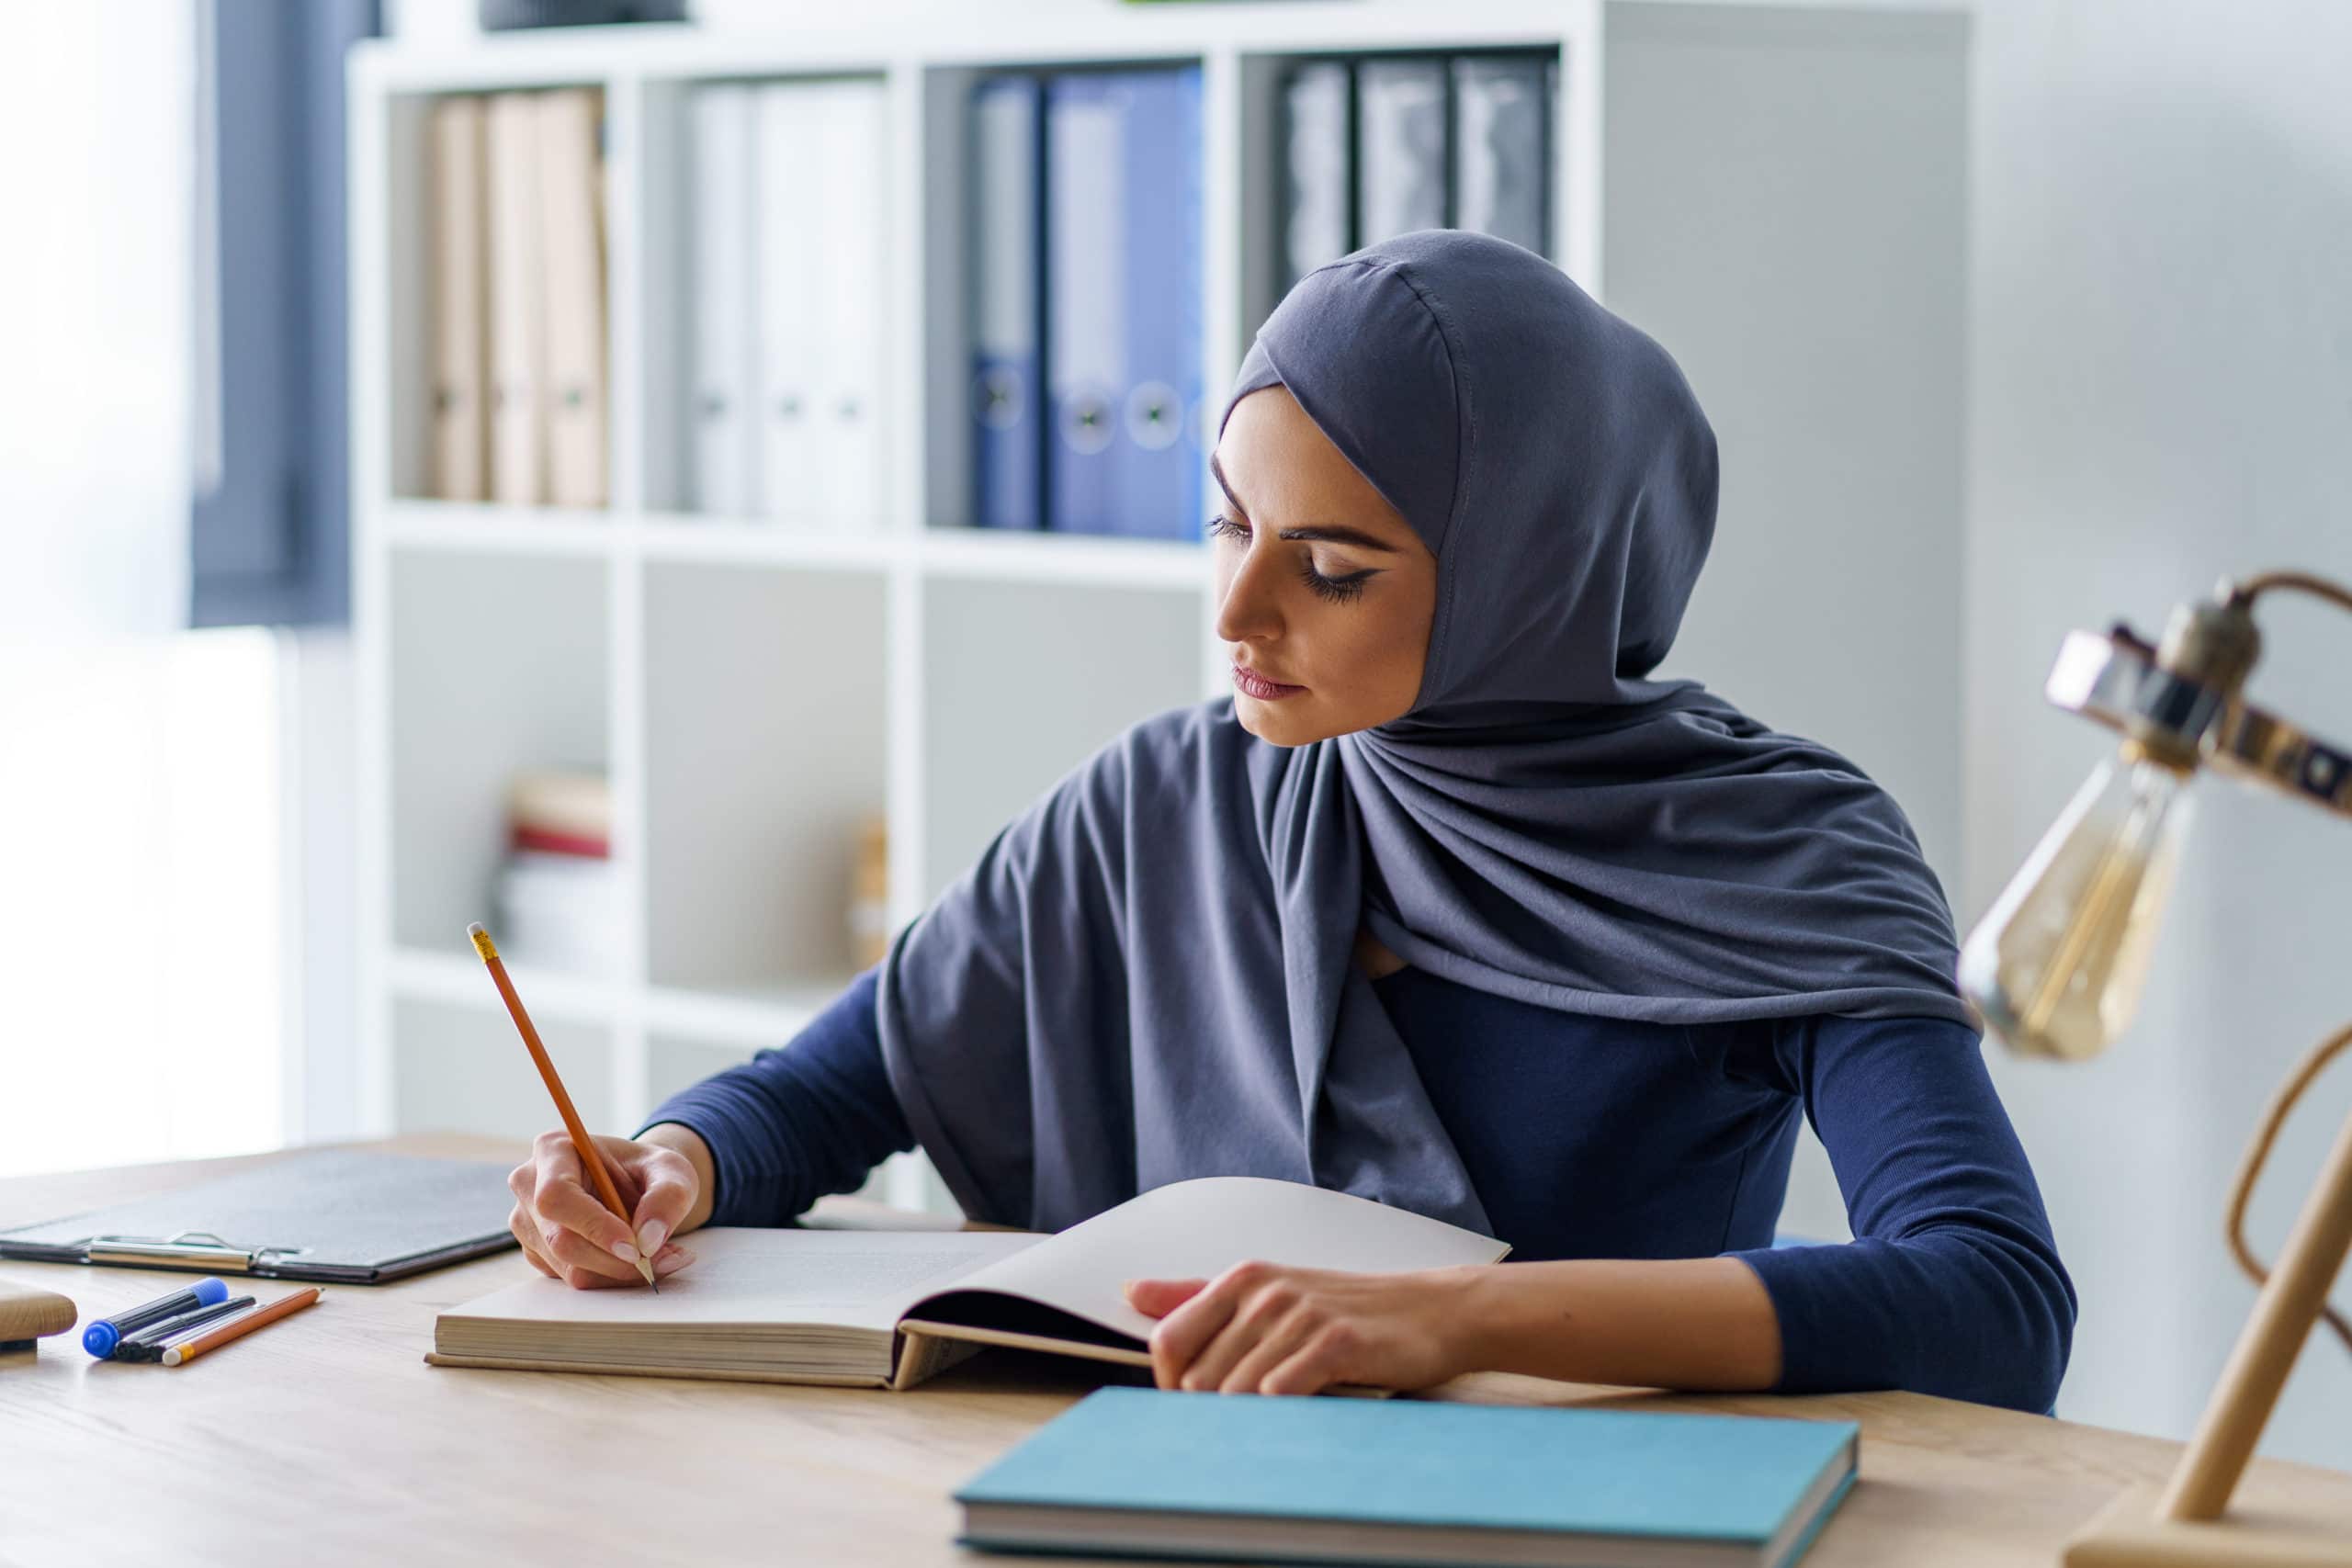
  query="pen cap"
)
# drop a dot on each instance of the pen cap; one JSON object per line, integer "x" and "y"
{"x": 100, "y": 1339}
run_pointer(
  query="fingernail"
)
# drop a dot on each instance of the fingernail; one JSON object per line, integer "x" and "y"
{"x": 650, "y": 1238}
{"x": 624, "y": 1252}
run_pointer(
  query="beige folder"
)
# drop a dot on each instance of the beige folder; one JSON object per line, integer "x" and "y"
{"x": 457, "y": 281}
{"x": 572, "y": 239}
{"x": 517, "y": 357}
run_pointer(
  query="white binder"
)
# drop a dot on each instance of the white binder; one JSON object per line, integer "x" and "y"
{"x": 724, "y": 418}
{"x": 572, "y": 237}
{"x": 460, "y": 428}
{"x": 1502, "y": 173}
{"x": 1315, "y": 168}
{"x": 517, "y": 367}
{"x": 1400, "y": 148}
{"x": 852, "y": 212}
{"x": 792, "y": 334}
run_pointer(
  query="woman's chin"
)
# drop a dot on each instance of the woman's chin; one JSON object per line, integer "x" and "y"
{"x": 1273, "y": 723}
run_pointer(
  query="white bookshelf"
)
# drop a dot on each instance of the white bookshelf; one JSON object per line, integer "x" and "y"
{"x": 752, "y": 688}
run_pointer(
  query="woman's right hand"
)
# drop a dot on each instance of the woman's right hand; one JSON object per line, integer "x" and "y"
{"x": 567, "y": 1231}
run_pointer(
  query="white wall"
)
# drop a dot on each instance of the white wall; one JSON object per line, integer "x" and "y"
{"x": 2161, "y": 392}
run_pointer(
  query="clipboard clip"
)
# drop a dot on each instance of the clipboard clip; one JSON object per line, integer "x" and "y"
{"x": 186, "y": 1249}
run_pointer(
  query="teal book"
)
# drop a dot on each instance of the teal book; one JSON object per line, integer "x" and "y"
{"x": 1141, "y": 1473}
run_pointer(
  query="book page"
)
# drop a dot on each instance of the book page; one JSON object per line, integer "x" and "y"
{"x": 1202, "y": 1227}
{"x": 744, "y": 1277}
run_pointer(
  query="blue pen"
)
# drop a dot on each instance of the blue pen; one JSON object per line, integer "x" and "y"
{"x": 100, "y": 1339}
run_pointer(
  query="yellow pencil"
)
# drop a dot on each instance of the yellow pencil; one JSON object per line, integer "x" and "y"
{"x": 589, "y": 1159}
{"x": 243, "y": 1324}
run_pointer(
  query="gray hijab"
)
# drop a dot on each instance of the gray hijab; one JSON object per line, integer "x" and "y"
{"x": 1148, "y": 974}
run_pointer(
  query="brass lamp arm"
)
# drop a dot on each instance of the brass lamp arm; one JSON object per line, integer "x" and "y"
{"x": 2250, "y": 1168}
{"x": 2300, "y": 582}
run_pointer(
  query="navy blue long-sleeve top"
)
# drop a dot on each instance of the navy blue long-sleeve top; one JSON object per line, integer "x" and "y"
{"x": 1589, "y": 1137}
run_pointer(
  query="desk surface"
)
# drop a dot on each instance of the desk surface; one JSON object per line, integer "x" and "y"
{"x": 328, "y": 1439}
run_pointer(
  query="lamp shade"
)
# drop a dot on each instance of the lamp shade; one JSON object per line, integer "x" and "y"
{"x": 2057, "y": 964}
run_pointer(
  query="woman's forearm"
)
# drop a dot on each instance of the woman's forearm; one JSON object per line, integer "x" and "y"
{"x": 1696, "y": 1323}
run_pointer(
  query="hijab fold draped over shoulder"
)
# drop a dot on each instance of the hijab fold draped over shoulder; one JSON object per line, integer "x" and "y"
{"x": 1148, "y": 974}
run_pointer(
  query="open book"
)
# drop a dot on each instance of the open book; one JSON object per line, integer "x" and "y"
{"x": 890, "y": 1308}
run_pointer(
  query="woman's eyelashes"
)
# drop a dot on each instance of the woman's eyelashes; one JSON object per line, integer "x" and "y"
{"x": 1339, "y": 589}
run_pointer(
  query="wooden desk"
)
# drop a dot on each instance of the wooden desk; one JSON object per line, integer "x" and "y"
{"x": 327, "y": 1440}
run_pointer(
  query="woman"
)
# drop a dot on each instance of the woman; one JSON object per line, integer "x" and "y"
{"x": 1451, "y": 906}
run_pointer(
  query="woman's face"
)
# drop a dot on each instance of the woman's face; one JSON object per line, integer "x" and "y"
{"x": 1325, "y": 594}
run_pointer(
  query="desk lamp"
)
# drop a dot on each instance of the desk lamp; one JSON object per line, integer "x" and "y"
{"x": 2056, "y": 967}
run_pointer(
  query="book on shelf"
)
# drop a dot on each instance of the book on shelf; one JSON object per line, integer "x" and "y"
{"x": 515, "y": 292}
{"x": 1131, "y": 1471}
{"x": 556, "y": 896}
{"x": 869, "y": 892}
{"x": 890, "y": 1309}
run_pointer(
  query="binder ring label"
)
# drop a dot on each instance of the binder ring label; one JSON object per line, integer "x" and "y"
{"x": 1087, "y": 422}
{"x": 1155, "y": 416}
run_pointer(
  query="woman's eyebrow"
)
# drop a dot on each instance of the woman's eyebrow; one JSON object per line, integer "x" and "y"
{"x": 1326, "y": 533}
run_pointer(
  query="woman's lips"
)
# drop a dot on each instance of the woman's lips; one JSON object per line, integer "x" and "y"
{"x": 1256, "y": 685}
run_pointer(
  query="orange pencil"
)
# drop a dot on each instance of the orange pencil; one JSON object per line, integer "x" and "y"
{"x": 589, "y": 1158}
{"x": 284, "y": 1307}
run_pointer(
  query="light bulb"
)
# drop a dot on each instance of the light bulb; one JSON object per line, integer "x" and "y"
{"x": 2057, "y": 964}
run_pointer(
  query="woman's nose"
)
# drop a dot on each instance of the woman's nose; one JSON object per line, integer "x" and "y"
{"x": 1247, "y": 610}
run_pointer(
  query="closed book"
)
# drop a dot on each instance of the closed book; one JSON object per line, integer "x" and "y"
{"x": 853, "y": 248}
{"x": 562, "y": 800}
{"x": 1317, "y": 160}
{"x": 1503, "y": 145}
{"x": 886, "y": 1310}
{"x": 1123, "y": 280}
{"x": 725, "y": 195}
{"x": 560, "y": 911}
{"x": 1400, "y": 148}
{"x": 517, "y": 304}
{"x": 1131, "y": 1471}
{"x": 1007, "y": 285}
{"x": 571, "y": 228}
{"x": 457, "y": 283}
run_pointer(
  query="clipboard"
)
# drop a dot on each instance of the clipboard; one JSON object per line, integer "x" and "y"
{"x": 333, "y": 1216}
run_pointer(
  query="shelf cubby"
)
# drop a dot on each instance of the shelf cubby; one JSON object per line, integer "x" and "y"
{"x": 496, "y": 664}
{"x": 765, "y": 720}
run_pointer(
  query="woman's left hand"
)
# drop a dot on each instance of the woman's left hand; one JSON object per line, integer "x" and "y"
{"x": 1265, "y": 1328}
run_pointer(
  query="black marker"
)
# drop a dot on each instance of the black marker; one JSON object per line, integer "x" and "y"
{"x": 149, "y": 1343}
{"x": 100, "y": 1339}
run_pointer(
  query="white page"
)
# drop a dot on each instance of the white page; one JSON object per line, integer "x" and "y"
{"x": 1202, "y": 1227}
{"x": 749, "y": 1278}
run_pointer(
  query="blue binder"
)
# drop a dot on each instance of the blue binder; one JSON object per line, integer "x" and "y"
{"x": 1007, "y": 431}
{"x": 1123, "y": 302}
